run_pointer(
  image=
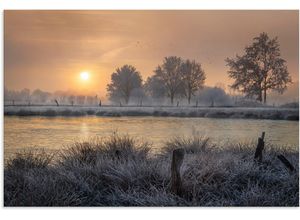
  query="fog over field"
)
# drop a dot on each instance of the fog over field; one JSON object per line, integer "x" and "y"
{"x": 151, "y": 108}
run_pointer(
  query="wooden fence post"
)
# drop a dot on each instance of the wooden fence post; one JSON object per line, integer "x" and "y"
{"x": 176, "y": 183}
{"x": 286, "y": 162}
{"x": 56, "y": 102}
{"x": 259, "y": 148}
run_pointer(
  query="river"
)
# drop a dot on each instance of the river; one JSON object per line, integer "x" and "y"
{"x": 52, "y": 133}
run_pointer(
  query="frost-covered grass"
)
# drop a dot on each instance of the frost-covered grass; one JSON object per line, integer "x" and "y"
{"x": 119, "y": 171}
{"x": 216, "y": 112}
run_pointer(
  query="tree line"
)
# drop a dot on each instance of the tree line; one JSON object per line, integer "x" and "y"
{"x": 174, "y": 77}
{"x": 259, "y": 70}
{"x": 37, "y": 96}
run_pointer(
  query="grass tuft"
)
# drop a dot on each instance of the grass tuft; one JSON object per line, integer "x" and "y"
{"x": 29, "y": 159}
{"x": 192, "y": 145}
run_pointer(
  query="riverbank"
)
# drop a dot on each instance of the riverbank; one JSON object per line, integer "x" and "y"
{"x": 206, "y": 112}
{"x": 120, "y": 171}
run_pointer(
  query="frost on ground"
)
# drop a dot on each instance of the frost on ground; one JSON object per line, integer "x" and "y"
{"x": 209, "y": 112}
{"x": 120, "y": 171}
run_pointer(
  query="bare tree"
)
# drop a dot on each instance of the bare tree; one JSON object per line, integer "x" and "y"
{"x": 123, "y": 82}
{"x": 40, "y": 96}
{"x": 90, "y": 100}
{"x": 170, "y": 74}
{"x": 80, "y": 99}
{"x": 260, "y": 69}
{"x": 193, "y": 78}
{"x": 16, "y": 96}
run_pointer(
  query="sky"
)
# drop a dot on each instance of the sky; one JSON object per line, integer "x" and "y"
{"x": 49, "y": 49}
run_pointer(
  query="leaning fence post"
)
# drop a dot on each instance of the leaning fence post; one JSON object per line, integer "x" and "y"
{"x": 176, "y": 183}
{"x": 259, "y": 148}
{"x": 56, "y": 102}
{"x": 286, "y": 162}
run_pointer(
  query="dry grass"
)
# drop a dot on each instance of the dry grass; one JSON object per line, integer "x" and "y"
{"x": 29, "y": 160}
{"x": 120, "y": 171}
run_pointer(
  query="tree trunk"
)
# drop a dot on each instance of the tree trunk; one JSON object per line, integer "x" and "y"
{"x": 259, "y": 98}
{"x": 265, "y": 89}
{"x": 126, "y": 100}
{"x": 265, "y": 96}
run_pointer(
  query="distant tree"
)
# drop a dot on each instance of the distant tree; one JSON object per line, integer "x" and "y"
{"x": 25, "y": 95}
{"x": 260, "y": 69}
{"x": 40, "y": 96}
{"x": 97, "y": 100}
{"x": 221, "y": 86}
{"x": 193, "y": 78}
{"x": 123, "y": 82}
{"x": 154, "y": 87}
{"x": 137, "y": 96}
{"x": 71, "y": 99}
{"x": 90, "y": 100}
{"x": 212, "y": 96}
{"x": 80, "y": 99}
{"x": 13, "y": 96}
{"x": 170, "y": 74}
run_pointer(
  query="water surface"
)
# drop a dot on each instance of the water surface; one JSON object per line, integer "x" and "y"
{"x": 53, "y": 133}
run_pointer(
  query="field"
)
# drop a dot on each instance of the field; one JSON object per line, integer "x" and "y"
{"x": 209, "y": 112}
{"x": 120, "y": 171}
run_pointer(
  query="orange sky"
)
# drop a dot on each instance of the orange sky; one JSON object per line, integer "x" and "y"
{"x": 49, "y": 49}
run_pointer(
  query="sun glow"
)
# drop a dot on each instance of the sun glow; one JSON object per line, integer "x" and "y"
{"x": 84, "y": 76}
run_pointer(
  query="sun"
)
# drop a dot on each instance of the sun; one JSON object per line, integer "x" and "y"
{"x": 84, "y": 76}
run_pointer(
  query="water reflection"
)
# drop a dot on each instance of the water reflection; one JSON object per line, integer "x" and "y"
{"x": 52, "y": 133}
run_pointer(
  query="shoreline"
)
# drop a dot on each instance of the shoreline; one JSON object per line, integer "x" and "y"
{"x": 187, "y": 112}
